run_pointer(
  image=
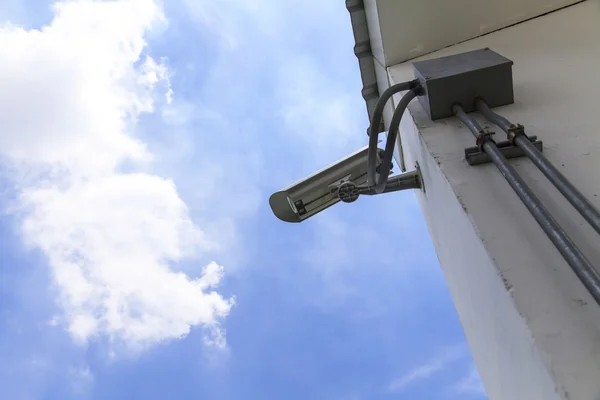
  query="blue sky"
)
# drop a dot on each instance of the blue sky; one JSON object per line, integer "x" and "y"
{"x": 138, "y": 255}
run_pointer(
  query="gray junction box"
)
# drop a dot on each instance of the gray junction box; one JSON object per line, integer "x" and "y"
{"x": 462, "y": 78}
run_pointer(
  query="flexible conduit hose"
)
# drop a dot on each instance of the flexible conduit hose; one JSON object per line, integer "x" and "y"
{"x": 570, "y": 252}
{"x": 379, "y": 184}
{"x": 388, "y": 154}
{"x": 564, "y": 186}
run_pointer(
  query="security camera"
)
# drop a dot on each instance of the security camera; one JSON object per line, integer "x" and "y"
{"x": 344, "y": 181}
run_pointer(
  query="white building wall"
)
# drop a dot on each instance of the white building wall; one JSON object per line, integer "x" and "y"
{"x": 533, "y": 329}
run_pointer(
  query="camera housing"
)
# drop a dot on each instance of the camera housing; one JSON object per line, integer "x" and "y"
{"x": 319, "y": 191}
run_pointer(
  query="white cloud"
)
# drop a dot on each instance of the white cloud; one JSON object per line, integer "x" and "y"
{"x": 72, "y": 93}
{"x": 442, "y": 360}
{"x": 317, "y": 109}
{"x": 81, "y": 380}
{"x": 236, "y": 22}
{"x": 231, "y": 18}
{"x": 323, "y": 116}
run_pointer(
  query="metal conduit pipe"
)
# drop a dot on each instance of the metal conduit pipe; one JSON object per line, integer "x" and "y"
{"x": 517, "y": 136}
{"x": 570, "y": 252}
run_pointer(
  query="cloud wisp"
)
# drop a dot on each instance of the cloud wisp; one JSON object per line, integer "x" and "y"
{"x": 440, "y": 361}
{"x": 470, "y": 384}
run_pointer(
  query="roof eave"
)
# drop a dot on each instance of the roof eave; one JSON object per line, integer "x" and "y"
{"x": 364, "y": 54}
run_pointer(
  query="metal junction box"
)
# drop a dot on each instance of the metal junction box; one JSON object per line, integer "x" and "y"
{"x": 462, "y": 78}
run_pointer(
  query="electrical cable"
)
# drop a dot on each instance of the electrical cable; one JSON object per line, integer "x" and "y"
{"x": 388, "y": 154}
{"x": 379, "y": 184}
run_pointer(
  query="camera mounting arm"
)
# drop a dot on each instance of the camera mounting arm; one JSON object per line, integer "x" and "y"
{"x": 348, "y": 192}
